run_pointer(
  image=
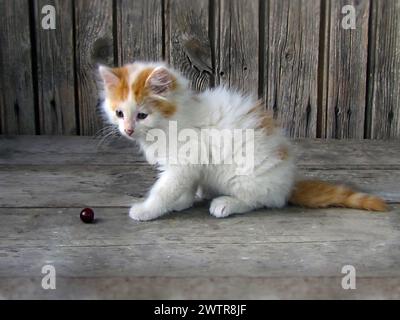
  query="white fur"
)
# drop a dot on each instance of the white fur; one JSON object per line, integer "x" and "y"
{"x": 269, "y": 185}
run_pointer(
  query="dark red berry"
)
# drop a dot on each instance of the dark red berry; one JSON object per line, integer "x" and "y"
{"x": 87, "y": 215}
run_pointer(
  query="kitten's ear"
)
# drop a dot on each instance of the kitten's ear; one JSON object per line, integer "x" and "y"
{"x": 161, "y": 81}
{"x": 110, "y": 79}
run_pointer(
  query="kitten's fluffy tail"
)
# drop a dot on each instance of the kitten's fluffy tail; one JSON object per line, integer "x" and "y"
{"x": 319, "y": 194}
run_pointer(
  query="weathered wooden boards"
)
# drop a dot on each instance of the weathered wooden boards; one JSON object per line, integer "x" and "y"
{"x": 76, "y": 171}
{"x": 74, "y": 186}
{"x": 193, "y": 244}
{"x": 288, "y": 253}
{"x": 189, "y": 41}
{"x": 239, "y": 288}
{"x": 384, "y": 93}
{"x": 139, "y": 30}
{"x": 229, "y": 258}
{"x": 346, "y": 71}
{"x": 17, "y": 98}
{"x": 94, "y": 46}
{"x": 312, "y": 154}
{"x": 320, "y": 79}
{"x": 99, "y": 185}
{"x": 291, "y": 44}
{"x": 55, "y": 69}
{"x": 238, "y": 44}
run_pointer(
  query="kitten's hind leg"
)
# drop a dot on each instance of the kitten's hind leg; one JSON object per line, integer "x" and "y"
{"x": 224, "y": 206}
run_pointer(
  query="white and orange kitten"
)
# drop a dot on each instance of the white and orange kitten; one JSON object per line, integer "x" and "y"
{"x": 141, "y": 98}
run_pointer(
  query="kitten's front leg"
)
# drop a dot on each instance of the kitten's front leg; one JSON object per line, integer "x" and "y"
{"x": 173, "y": 191}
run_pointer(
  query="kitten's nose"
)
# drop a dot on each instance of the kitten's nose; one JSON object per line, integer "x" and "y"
{"x": 129, "y": 132}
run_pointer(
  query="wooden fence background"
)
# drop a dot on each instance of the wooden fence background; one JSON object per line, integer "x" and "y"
{"x": 319, "y": 79}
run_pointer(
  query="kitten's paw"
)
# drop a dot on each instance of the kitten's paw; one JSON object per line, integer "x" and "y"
{"x": 139, "y": 212}
{"x": 221, "y": 207}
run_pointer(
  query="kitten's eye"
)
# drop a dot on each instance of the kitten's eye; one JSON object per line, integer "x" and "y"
{"x": 119, "y": 113}
{"x": 142, "y": 115}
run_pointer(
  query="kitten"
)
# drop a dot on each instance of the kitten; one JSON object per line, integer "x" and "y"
{"x": 141, "y": 98}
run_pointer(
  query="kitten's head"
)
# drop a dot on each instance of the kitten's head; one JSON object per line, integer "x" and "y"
{"x": 140, "y": 96}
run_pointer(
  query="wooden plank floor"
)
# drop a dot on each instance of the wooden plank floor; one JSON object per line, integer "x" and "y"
{"x": 288, "y": 253}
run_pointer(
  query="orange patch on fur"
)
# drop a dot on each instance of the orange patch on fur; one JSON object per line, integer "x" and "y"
{"x": 258, "y": 107}
{"x": 139, "y": 86}
{"x": 320, "y": 194}
{"x": 120, "y": 92}
{"x": 267, "y": 121}
{"x": 142, "y": 92}
{"x": 166, "y": 108}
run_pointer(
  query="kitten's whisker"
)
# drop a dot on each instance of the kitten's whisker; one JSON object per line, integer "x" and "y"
{"x": 105, "y": 137}
{"x": 102, "y": 130}
{"x": 105, "y": 131}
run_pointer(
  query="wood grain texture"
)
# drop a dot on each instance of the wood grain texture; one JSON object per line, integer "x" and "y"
{"x": 121, "y": 185}
{"x": 74, "y": 186}
{"x": 237, "y": 43}
{"x": 194, "y": 244}
{"x": 385, "y": 70}
{"x": 347, "y": 72}
{"x": 319, "y": 79}
{"x": 189, "y": 44}
{"x": 311, "y": 153}
{"x": 55, "y": 66}
{"x": 17, "y": 100}
{"x": 291, "y": 64}
{"x": 139, "y": 30}
{"x": 94, "y": 46}
{"x": 187, "y": 254}
{"x": 19, "y": 224}
{"x": 206, "y": 288}
{"x": 117, "y": 175}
